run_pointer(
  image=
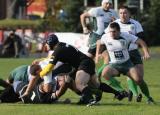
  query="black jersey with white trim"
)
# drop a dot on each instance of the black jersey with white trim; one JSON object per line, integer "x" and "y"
{"x": 67, "y": 54}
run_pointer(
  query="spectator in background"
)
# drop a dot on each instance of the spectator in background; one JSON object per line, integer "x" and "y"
{"x": 12, "y": 46}
{"x": 1, "y": 38}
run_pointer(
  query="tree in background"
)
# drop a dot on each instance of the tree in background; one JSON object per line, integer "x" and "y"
{"x": 63, "y": 15}
{"x": 152, "y": 22}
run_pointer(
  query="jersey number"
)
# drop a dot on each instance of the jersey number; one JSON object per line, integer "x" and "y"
{"x": 118, "y": 55}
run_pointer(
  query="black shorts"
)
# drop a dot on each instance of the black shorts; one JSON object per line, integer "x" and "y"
{"x": 135, "y": 57}
{"x": 65, "y": 68}
{"x": 88, "y": 66}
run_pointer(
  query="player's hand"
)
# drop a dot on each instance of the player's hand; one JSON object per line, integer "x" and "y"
{"x": 24, "y": 95}
{"x": 113, "y": 19}
{"x": 54, "y": 97}
{"x": 146, "y": 56}
{"x": 35, "y": 62}
{"x": 85, "y": 30}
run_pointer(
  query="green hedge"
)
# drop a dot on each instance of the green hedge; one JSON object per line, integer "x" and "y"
{"x": 11, "y": 23}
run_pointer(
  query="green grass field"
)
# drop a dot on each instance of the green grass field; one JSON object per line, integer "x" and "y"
{"x": 107, "y": 106}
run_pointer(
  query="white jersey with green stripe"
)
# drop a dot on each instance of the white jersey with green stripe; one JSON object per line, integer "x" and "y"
{"x": 118, "y": 48}
{"x": 132, "y": 27}
{"x": 102, "y": 18}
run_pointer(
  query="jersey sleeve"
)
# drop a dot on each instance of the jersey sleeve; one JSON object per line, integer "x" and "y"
{"x": 93, "y": 12}
{"x": 138, "y": 27}
{"x": 46, "y": 69}
{"x": 130, "y": 37}
{"x": 49, "y": 67}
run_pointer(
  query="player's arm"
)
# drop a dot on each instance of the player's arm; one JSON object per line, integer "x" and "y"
{"x": 83, "y": 22}
{"x": 48, "y": 68}
{"x": 145, "y": 49}
{"x": 30, "y": 86}
{"x": 98, "y": 46}
{"x": 63, "y": 86}
{"x": 106, "y": 57}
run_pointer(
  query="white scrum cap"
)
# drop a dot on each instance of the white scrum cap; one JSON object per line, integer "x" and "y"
{"x": 106, "y": 1}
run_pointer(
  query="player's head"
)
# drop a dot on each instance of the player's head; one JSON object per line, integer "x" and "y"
{"x": 35, "y": 69}
{"x": 106, "y": 4}
{"x": 124, "y": 14}
{"x": 52, "y": 40}
{"x": 114, "y": 30}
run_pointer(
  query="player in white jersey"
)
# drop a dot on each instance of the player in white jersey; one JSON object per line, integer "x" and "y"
{"x": 117, "y": 44}
{"x": 102, "y": 16}
{"x": 132, "y": 26}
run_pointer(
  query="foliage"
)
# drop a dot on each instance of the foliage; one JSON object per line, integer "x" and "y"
{"x": 71, "y": 20}
{"x": 151, "y": 23}
{"x": 13, "y": 23}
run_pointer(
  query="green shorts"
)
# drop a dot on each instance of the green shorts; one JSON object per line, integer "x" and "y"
{"x": 135, "y": 57}
{"x": 123, "y": 67}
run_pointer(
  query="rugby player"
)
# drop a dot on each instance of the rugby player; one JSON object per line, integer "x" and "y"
{"x": 117, "y": 46}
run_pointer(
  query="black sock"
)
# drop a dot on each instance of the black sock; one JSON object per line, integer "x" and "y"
{"x": 4, "y": 83}
{"x": 86, "y": 95}
{"x": 106, "y": 88}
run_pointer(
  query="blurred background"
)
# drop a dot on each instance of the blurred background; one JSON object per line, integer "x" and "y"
{"x": 32, "y": 20}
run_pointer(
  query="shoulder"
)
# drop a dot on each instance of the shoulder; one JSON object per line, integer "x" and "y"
{"x": 127, "y": 36}
{"x": 105, "y": 36}
{"x": 117, "y": 21}
{"x": 135, "y": 22}
{"x": 114, "y": 12}
{"x": 95, "y": 9}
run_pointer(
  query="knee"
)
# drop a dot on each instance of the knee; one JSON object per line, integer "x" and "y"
{"x": 138, "y": 81}
{"x": 105, "y": 72}
{"x": 80, "y": 86}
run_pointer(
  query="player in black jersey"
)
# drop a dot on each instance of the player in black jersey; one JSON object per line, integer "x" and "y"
{"x": 84, "y": 67}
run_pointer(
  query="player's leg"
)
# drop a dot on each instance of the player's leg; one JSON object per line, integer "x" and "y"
{"x": 133, "y": 87}
{"x": 8, "y": 95}
{"x": 108, "y": 75}
{"x": 142, "y": 84}
{"x": 81, "y": 80}
{"x": 3, "y": 83}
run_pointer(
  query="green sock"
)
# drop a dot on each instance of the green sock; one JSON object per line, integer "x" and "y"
{"x": 111, "y": 81}
{"x": 101, "y": 69}
{"x": 132, "y": 86}
{"x": 144, "y": 88}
